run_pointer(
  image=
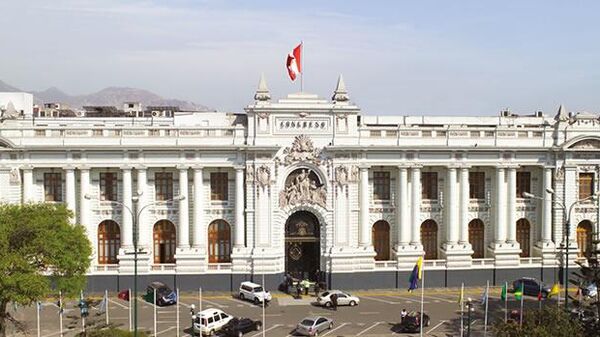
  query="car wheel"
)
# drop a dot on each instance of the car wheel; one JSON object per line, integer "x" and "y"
{"x": 258, "y": 326}
{"x": 256, "y": 301}
{"x": 316, "y": 333}
{"x": 240, "y": 334}
{"x": 328, "y": 304}
{"x": 352, "y": 303}
{"x": 330, "y": 325}
{"x": 241, "y": 296}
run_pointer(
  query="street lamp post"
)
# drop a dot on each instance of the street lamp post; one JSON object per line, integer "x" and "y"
{"x": 469, "y": 310}
{"x": 135, "y": 215}
{"x": 567, "y": 230}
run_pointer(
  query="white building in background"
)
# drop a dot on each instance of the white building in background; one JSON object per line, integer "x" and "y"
{"x": 305, "y": 184}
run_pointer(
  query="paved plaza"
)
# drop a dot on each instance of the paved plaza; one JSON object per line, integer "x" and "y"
{"x": 377, "y": 315}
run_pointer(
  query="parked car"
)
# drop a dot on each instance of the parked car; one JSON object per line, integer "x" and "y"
{"x": 312, "y": 326}
{"x": 124, "y": 295}
{"x": 254, "y": 292}
{"x": 412, "y": 322}
{"x": 164, "y": 294}
{"x": 531, "y": 287}
{"x": 343, "y": 298}
{"x": 237, "y": 327}
{"x": 210, "y": 321}
{"x": 591, "y": 291}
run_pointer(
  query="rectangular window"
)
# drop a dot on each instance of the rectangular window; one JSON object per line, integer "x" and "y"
{"x": 476, "y": 185}
{"x": 108, "y": 186}
{"x": 219, "y": 183}
{"x": 163, "y": 183}
{"x": 53, "y": 187}
{"x": 429, "y": 185}
{"x": 586, "y": 185}
{"x": 523, "y": 183}
{"x": 381, "y": 185}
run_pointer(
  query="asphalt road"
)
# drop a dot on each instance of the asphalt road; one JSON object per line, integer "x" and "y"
{"x": 376, "y": 315}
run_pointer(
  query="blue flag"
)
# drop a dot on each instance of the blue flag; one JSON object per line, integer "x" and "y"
{"x": 415, "y": 275}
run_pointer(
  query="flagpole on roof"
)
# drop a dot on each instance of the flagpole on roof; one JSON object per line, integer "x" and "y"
{"x": 301, "y": 71}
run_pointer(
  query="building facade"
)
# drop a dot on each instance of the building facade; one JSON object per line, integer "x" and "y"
{"x": 311, "y": 186}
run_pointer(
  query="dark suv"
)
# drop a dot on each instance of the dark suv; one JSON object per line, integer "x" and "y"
{"x": 531, "y": 287}
{"x": 164, "y": 294}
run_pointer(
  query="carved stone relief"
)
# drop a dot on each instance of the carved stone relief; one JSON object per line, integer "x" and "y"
{"x": 344, "y": 174}
{"x": 587, "y": 144}
{"x": 302, "y": 187}
{"x": 263, "y": 176}
{"x": 302, "y": 149}
{"x": 15, "y": 176}
{"x": 559, "y": 174}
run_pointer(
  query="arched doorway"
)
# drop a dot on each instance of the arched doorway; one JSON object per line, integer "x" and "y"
{"x": 381, "y": 240}
{"x": 584, "y": 238}
{"x": 219, "y": 242}
{"x": 429, "y": 239}
{"x": 523, "y": 237}
{"x": 302, "y": 245}
{"x": 164, "y": 242}
{"x": 477, "y": 238}
{"x": 109, "y": 241}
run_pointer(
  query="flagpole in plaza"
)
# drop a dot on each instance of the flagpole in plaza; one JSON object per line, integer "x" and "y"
{"x": 264, "y": 303}
{"x": 106, "y": 304}
{"x": 39, "y": 331}
{"x": 485, "y": 320}
{"x": 154, "y": 305}
{"x": 504, "y": 291}
{"x": 462, "y": 318}
{"x": 60, "y": 312}
{"x": 521, "y": 311}
{"x": 177, "y": 325}
{"x": 199, "y": 300}
{"x": 129, "y": 300}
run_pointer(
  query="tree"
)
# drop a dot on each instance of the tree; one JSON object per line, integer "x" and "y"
{"x": 41, "y": 252}
{"x": 550, "y": 322}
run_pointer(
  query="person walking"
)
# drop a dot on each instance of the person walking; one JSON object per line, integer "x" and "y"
{"x": 298, "y": 291}
{"x": 317, "y": 289}
{"x": 334, "y": 302}
{"x": 403, "y": 314}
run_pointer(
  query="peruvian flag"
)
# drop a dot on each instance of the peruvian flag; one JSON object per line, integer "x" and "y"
{"x": 294, "y": 63}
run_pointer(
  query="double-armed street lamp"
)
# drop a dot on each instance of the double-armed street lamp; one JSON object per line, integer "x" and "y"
{"x": 567, "y": 231}
{"x": 135, "y": 215}
{"x": 470, "y": 309}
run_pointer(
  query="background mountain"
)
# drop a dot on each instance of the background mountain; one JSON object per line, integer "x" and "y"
{"x": 114, "y": 96}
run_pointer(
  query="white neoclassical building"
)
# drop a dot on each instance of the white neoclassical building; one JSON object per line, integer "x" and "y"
{"x": 306, "y": 185}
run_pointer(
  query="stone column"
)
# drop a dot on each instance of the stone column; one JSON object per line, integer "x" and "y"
{"x": 464, "y": 205}
{"x": 144, "y": 230}
{"x": 365, "y": 232}
{"x": 416, "y": 204}
{"x": 70, "y": 192}
{"x": 27, "y": 184}
{"x": 500, "y": 208}
{"x": 184, "y": 217}
{"x": 450, "y": 207}
{"x": 402, "y": 207}
{"x": 239, "y": 208}
{"x": 127, "y": 232}
{"x": 198, "y": 238}
{"x": 511, "y": 207}
{"x": 547, "y": 207}
{"x": 84, "y": 206}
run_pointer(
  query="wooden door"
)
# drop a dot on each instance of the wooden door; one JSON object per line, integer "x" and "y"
{"x": 381, "y": 240}
{"x": 523, "y": 237}
{"x": 429, "y": 239}
{"x": 164, "y": 242}
{"x": 477, "y": 238}
{"x": 584, "y": 238}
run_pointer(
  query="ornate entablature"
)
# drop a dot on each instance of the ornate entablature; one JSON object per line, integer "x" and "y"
{"x": 302, "y": 149}
{"x": 302, "y": 186}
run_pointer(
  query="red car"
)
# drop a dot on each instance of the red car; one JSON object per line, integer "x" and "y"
{"x": 124, "y": 295}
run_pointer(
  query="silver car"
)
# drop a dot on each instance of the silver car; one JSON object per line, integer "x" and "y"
{"x": 312, "y": 326}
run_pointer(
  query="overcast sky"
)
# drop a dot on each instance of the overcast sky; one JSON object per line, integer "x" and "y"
{"x": 397, "y": 57}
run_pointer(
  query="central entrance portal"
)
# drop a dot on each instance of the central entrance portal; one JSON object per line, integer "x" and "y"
{"x": 302, "y": 246}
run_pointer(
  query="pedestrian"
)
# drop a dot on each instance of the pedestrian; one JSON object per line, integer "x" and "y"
{"x": 334, "y": 302}
{"x": 298, "y": 291}
{"x": 403, "y": 314}
{"x": 317, "y": 275}
{"x": 317, "y": 289}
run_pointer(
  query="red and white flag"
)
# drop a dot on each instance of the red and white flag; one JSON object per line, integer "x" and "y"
{"x": 294, "y": 62}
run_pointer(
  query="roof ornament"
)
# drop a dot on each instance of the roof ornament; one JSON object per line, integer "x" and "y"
{"x": 340, "y": 94}
{"x": 561, "y": 115}
{"x": 262, "y": 93}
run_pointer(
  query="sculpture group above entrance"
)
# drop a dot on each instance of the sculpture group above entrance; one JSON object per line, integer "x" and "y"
{"x": 303, "y": 187}
{"x": 302, "y": 149}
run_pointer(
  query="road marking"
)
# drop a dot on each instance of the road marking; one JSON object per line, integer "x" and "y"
{"x": 380, "y": 300}
{"x": 243, "y": 302}
{"x": 58, "y": 332}
{"x": 168, "y": 329}
{"x": 439, "y": 299}
{"x": 214, "y": 303}
{"x": 271, "y": 328}
{"x": 435, "y": 327}
{"x": 117, "y": 303}
{"x": 273, "y": 315}
{"x": 415, "y": 300}
{"x": 369, "y": 328}
{"x": 369, "y": 312}
{"x": 332, "y": 330}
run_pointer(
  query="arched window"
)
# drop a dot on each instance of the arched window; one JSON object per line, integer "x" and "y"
{"x": 429, "y": 239}
{"x": 523, "y": 237}
{"x": 219, "y": 242}
{"x": 381, "y": 240}
{"x": 477, "y": 238}
{"x": 109, "y": 241}
{"x": 164, "y": 242}
{"x": 584, "y": 238}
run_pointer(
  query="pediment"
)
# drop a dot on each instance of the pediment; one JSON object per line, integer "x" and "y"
{"x": 583, "y": 143}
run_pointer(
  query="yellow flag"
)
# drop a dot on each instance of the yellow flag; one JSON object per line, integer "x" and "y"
{"x": 462, "y": 295}
{"x": 554, "y": 291}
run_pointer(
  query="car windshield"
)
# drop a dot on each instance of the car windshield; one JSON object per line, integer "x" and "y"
{"x": 307, "y": 322}
{"x": 163, "y": 291}
{"x": 258, "y": 289}
{"x": 325, "y": 294}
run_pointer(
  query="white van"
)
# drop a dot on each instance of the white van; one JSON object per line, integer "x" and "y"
{"x": 209, "y": 321}
{"x": 253, "y": 292}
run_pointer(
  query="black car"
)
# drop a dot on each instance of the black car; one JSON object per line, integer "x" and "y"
{"x": 164, "y": 294}
{"x": 411, "y": 323}
{"x": 237, "y": 327}
{"x": 531, "y": 287}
